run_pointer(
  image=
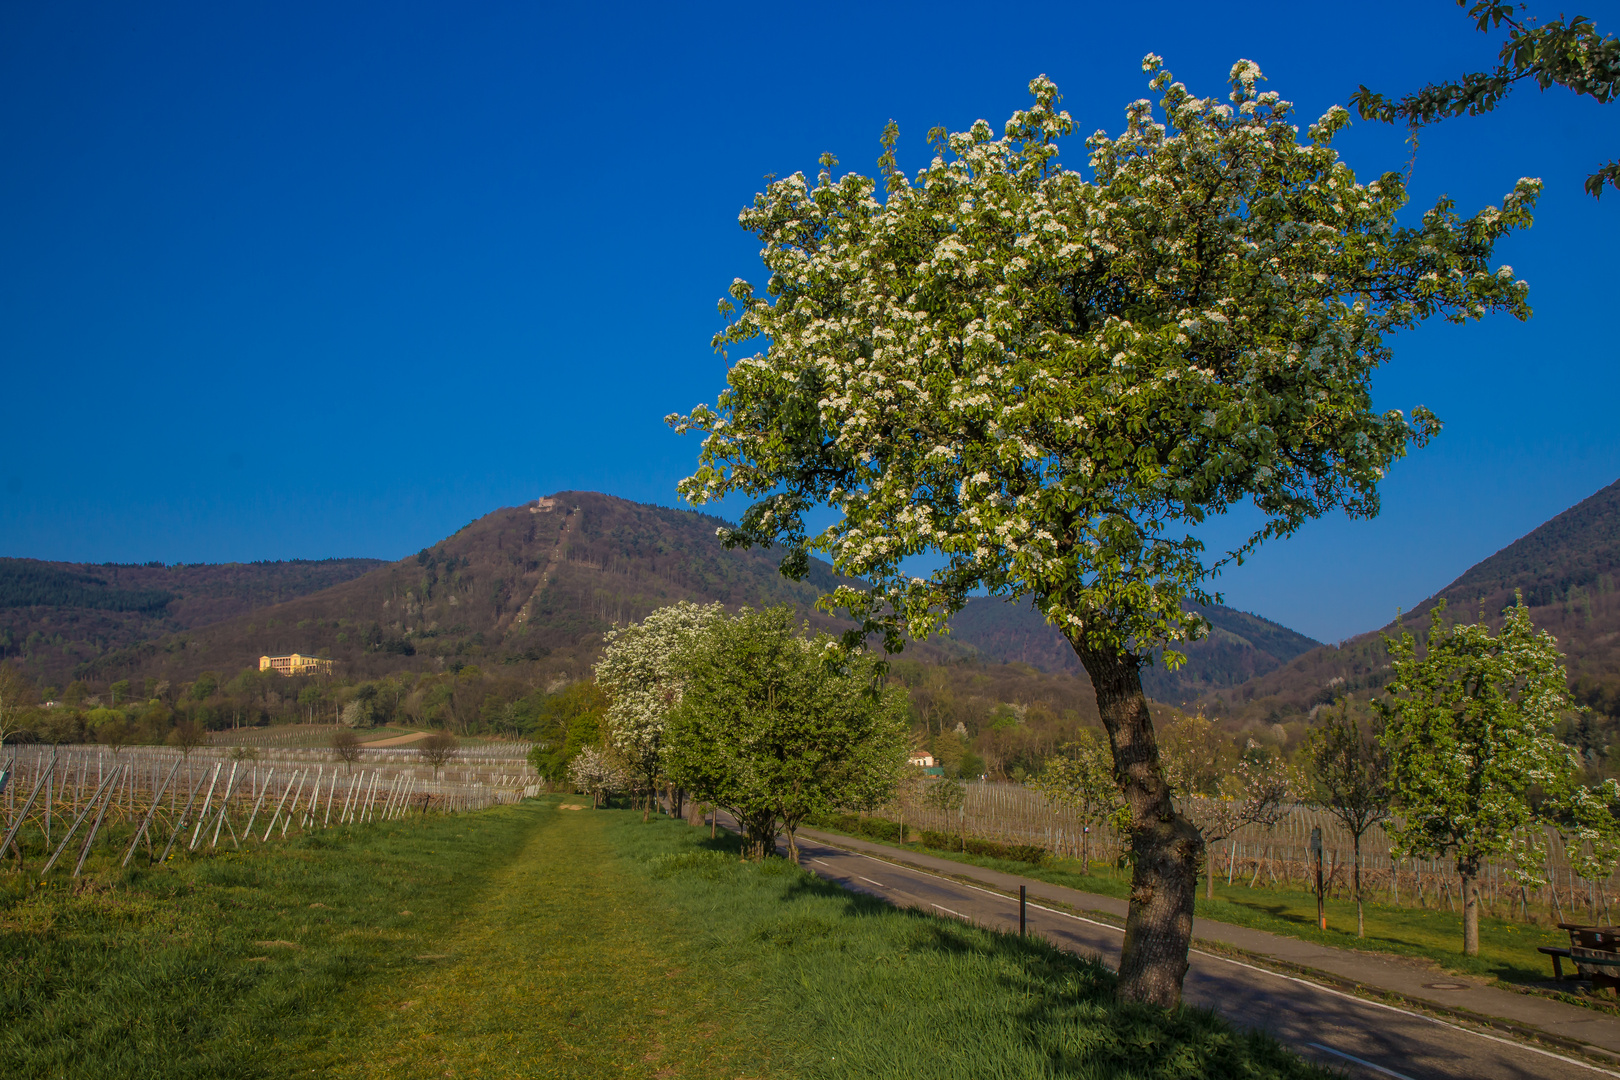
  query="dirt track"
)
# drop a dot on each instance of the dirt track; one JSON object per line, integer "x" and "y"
{"x": 397, "y": 740}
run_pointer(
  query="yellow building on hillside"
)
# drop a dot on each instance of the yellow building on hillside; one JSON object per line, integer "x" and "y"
{"x": 296, "y": 664}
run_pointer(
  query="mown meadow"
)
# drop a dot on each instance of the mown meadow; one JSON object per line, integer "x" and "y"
{"x": 533, "y": 940}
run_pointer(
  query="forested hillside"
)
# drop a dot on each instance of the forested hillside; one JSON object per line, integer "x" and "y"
{"x": 533, "y": 586}
{"x": 56, "y": 618}
{"x": 1239, "y": 647}
{"x": 527, "y": 590}
{"x": 1567, "y": 571}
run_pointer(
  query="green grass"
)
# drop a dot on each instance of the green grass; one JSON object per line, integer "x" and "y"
{"x": 530, "y": 941}
{"x": 1507, "y": 949}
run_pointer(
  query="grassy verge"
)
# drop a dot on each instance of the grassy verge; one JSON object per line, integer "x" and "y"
{"x": 870, "y": 991}
{"x": 496, "y": 944}
{"x": 1507, "y": 950}
{"x": 531, "y": 941}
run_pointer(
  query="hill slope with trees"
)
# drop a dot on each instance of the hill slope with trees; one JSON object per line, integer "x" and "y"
{"x": 527, "y": 590}
{"x": 58, "y": 617}
{"x": 533, "y": 586}
{"x": 1566, "y": 569}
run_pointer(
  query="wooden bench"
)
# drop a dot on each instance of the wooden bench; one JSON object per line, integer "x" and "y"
{"x": 1595, "y": 952}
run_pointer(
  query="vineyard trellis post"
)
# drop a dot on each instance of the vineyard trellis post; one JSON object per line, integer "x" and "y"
{"x": 112, "y": 793}
{"x": 180, "y": 824}
{"x": 247, "y": 830}
{"x": 202, "y": 815}
{"x": 11, "y": 831}
{"x": 74, "y": 828}
{"x": 273, "y": 817}
{"x": 147, "y": 820}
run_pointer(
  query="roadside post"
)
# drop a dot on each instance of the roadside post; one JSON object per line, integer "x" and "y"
{"x": 1023, "y": 901}
{"x": 1316, "y": 855}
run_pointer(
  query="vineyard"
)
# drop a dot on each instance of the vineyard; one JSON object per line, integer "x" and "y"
{"x": 1279, "y": 856}
{"x": 62, "y": 804}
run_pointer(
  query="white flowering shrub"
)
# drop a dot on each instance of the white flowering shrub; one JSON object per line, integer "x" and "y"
{"x": 774, "y": 733}
{"x": 640, "y": 673}
{"x": 596, "y": 774}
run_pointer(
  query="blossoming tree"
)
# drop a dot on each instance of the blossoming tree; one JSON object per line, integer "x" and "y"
{"x": 1569, "y": 53}
{"x": 638, "y": 670}
{"x": 774, "y": 730}
{"x": 1050, "y": 377}
{"x": 1081, "y": 778}
{"x": 594, "y": 772}
{"x": 1471, "y": 731}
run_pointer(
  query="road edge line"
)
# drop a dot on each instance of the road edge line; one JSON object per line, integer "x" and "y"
{"x": 1322, "y": 980}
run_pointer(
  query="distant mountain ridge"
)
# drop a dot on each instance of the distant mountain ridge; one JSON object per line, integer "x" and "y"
{"x": 1239, "y": 647}
{"x": 533, "y": 588}
{"x": 1566, "y": 569}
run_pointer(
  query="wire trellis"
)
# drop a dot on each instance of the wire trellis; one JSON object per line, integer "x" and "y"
{"x": 1276, "y": 857}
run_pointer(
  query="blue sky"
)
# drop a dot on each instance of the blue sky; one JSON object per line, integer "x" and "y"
{"x": 284, "y": 280}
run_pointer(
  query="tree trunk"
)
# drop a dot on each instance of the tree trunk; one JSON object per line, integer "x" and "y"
{"x": 1361, "y": 921}
{"x": 1470, "y": 906}
{"x": 792, "y": 829}
{"x": 1166, "y": 848}
{"x": 759, "y": 834}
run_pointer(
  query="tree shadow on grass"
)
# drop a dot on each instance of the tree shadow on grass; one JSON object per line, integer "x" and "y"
{"x": 1057, "y": 1005}
{"x": 934, "y": 979}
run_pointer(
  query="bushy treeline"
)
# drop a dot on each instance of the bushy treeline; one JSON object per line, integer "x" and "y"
{"x": 150, "y": 710}
{"x": 26, "y": 583}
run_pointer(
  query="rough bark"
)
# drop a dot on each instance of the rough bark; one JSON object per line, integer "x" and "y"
{"x": 1470, "y": 906}
{"x": 1166, "y": 848}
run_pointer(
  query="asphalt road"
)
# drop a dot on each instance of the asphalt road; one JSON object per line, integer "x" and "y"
{"x": 1359, "y": 1037}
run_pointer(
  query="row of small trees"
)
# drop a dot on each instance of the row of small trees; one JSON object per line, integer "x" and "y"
{"x": 748, "y": 713}
{"x": 1459, "y": 759}
{"x": 436, "y": 750}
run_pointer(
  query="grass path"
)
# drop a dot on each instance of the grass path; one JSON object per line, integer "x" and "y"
{"x": 562, "y": 965}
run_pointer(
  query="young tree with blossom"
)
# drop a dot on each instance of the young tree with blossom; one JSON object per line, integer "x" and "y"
{"x": 639, "y": 671}
{"x": 1471, "y": 731}
{"x": 1050, "y": 377}
{"x": 1349, "y": 778}
{"x": 775, "y": 727}
{"x": 1081, "y": 778}
{"x": 1219, "y": 790}
{"x": 595, "y": 772}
